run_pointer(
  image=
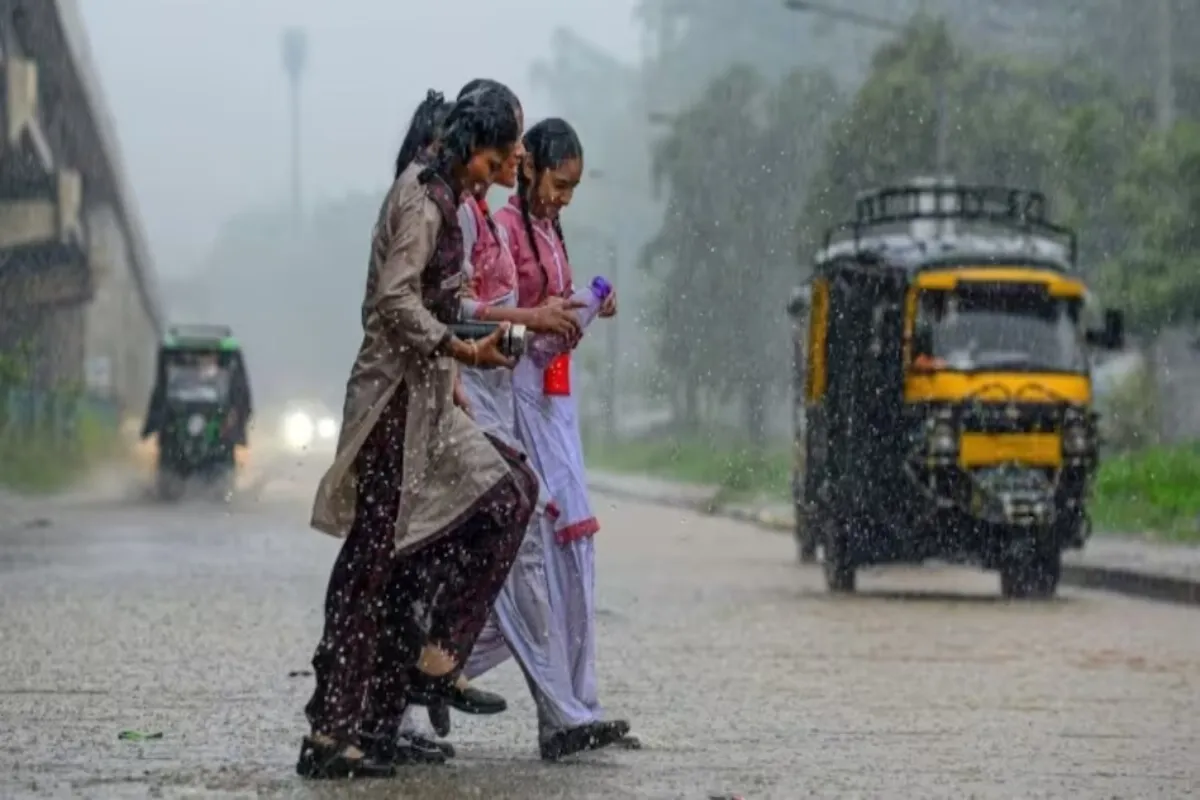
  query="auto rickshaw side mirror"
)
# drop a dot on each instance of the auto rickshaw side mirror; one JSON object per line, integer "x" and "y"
{"x": 1112, "y": 335}
{"x": 798, "y": 303}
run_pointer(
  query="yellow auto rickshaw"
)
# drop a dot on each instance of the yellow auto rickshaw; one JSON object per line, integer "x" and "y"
{"x": 943, "y": 369}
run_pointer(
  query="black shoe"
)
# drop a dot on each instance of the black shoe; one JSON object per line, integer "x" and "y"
{"x": 586, "y": 737}
{"x": 401, "y": 751}
{"x": 329, "y": 762}
{"x": 445, "y": 748}
{"x": 439, "y": 718}
{"x": 428, "y": 691}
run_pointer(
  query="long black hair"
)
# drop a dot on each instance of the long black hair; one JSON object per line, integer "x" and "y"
{"x": 489, "y": 85}
{"x": 423, "y": 130}
{"x": 548, "y": 145}
{"x": 481, "y": 119}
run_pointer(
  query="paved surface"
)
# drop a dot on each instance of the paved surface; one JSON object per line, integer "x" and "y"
{"x": 738, "y": 670}
{"x": 1177, "y": 562}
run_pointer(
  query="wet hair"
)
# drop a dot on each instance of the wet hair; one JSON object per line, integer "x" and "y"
{"x": 489, "y": 85}
{"x": 423, "y": 130}
{"x": 548, "y": 145}
{"x": 479, "y": 120}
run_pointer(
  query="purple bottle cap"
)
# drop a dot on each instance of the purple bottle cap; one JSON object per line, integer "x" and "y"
{"x": 601, "y": 287}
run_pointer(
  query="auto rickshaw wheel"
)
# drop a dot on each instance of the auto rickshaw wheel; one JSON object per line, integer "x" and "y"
{"x": 1032, "y": 575}
{"x": 839, "y": 569}
{"x": 806, "y": 542}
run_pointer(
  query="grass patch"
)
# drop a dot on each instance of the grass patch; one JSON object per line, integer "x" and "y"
{"x": 1155, "y": 491}
{"x": 739, "y": 471}
{"x": 40, "y": 464}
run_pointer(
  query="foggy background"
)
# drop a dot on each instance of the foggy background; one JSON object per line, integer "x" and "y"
{"x": 719, "y": 137}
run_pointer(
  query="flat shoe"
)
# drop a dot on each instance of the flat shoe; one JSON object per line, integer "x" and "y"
{"x": 319, "y": 761}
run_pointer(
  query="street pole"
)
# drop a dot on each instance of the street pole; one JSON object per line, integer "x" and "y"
{"x": 1166, "y": 66}
{"x": 942, "y": 122}
{"x": 295, "y": 59}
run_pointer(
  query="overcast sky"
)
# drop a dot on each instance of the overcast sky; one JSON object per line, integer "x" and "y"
{"x": 200, "y": 99}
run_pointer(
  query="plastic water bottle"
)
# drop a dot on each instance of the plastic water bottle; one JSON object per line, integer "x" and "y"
{"x": 543, "y": 347}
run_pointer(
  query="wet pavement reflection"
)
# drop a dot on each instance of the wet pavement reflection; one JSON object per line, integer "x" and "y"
{"x": 741, "y": 675}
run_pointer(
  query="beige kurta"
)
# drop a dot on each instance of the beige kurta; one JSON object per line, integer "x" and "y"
{"x": 448, "y": 463}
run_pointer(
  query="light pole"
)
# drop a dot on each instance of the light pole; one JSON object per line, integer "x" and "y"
{"x": 295, "y": 60}
{"x": 1166, "y": 65}
{"x": 942, "y": 122}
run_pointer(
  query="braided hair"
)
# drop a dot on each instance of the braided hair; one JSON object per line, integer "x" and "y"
{"x": 423, "y": 130}
{"x": 477, "y": 121}
{"x": 548, "y": 145}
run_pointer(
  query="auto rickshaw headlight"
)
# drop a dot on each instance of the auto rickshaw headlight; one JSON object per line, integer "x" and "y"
{"x": 942, "y": 440}
{"x": 195, "y": 425}
{"x": 1075, "y": 439}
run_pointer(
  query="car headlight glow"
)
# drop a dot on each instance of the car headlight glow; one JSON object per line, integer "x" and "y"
{"x": 195, "y": 425}
{"x": 327, "y": 428}
{"x": 298, "y": 430}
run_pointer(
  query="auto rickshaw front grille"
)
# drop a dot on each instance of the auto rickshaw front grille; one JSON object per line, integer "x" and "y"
{"x": 1011, "y": 418}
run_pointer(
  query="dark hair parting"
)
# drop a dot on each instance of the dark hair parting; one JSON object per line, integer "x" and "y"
{"x": 489, "y": 85}
{"x": 547, "y": 145}
{"x": 423, "y": 130}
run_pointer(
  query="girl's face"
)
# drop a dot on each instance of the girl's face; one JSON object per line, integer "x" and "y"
{"x": 484, "y": 168}
{"x": 554, "y": 188}
{"x": 508, "y": 175}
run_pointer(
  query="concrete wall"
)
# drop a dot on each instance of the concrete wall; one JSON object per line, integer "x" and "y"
{"x": 121, "y": 339}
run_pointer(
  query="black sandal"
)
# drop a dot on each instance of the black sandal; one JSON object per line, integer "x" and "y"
{"x": 593, "y": 736}
{"x": 321, "y": 761}
{"x": 426, "y": 690}
{"x": 401, "y": 751}
{"x": 424, "y": 743}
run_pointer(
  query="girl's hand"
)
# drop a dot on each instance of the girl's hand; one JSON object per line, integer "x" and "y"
{"x": 460, "y": 396}
{"x": 609, "y": 307}
{"x": 557, "y": 315}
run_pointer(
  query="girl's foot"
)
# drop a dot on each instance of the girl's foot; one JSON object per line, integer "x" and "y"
{"x": 431, "y": 691}
{"x": 402, "y": 751}
{"x": 322, "y": 758}
{"x": 592, "y": 736}
{"x": 422, "y": 743}
{"x": 630, "y": 741}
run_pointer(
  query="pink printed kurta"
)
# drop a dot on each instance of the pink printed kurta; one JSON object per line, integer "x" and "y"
{"x": 548, "y": 426}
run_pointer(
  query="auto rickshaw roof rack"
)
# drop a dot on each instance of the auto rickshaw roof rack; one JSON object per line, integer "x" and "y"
{"x": 200, "y": 336}
{"x": 1021, "y": 212}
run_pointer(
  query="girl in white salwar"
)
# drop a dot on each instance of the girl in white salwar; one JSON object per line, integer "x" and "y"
{"x": 523, "y": 622}
{"x": 547, "y": 423}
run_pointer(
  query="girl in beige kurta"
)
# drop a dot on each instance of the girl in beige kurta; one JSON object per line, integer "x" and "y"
{"x": 433, "y": 509}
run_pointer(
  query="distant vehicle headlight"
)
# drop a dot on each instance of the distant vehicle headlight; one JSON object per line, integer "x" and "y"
{"x": 298, "y": 430}
{"x": 327, "y": 428}
{"x": 195, "y": 425}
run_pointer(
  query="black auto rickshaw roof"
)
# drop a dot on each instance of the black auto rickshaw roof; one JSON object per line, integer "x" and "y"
{"x": 923, "y": 225}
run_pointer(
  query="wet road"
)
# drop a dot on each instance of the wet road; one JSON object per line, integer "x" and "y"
{"x": 740, "y": 674}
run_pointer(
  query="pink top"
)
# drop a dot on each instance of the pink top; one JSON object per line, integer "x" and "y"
{"x": 489, "y": 265}
{"x": 536, "y": 279}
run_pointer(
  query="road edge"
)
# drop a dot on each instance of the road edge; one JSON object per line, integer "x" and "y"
{"x": 1129, "y": 582}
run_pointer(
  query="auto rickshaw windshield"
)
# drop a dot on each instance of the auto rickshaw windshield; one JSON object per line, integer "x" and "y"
{"x": 1017, "y": 331}
{"x": 198, "y": 379}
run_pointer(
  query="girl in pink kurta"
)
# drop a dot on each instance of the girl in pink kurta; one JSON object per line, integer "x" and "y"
{"x": 548, "y": 424}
